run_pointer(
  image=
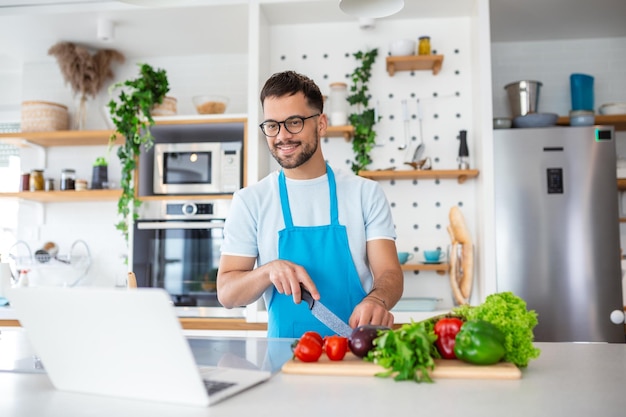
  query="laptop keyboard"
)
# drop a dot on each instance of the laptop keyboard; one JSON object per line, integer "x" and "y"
{"x": 216, "y": 386}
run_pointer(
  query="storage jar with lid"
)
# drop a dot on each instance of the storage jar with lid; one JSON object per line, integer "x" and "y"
{"x": 68, "y": 178}
{"x": 423, "y": 47}
{"x": 25, "y": 181}
{"x": 36, "y": 180}
{"x": 338, "y": 104}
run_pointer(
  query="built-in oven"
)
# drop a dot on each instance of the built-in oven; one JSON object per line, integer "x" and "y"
{"x": 176, "y": 246}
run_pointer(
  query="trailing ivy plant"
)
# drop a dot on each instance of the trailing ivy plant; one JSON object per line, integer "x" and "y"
{"x": 130, "y": 113}
{"x": 365, "y": 118}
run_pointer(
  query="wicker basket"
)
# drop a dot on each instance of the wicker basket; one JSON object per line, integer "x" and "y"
{"x": 43, "y": 116}
{"x": 167, "y": 108}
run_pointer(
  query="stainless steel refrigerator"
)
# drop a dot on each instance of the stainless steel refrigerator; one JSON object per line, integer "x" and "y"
{"x": 557, "y": 229}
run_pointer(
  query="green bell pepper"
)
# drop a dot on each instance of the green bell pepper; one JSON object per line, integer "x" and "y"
{"x": 480, "y": 343}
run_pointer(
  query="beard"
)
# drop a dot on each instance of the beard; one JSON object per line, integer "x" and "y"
{"x": 307, "y": 150}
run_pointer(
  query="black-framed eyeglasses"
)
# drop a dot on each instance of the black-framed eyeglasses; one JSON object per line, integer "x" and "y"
{"x": 293, "y": 124}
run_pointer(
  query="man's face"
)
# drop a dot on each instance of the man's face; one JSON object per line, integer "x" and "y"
{"x": 292, "y": 150}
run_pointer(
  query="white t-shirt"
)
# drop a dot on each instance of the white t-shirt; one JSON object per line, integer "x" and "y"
{"x": 255, "y": 216}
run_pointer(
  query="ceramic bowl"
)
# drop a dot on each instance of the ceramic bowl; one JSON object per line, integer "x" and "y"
{"x": 502, "y": 123}
{"x": 581, "y": 118}
{"x": 535, "y": 120}
{"x": 210, "y": 104}
{"x": 402, "y": 47}
{"x": 612, "y": 108}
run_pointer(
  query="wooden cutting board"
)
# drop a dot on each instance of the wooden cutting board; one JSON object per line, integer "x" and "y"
{"x": 353, "y": 366}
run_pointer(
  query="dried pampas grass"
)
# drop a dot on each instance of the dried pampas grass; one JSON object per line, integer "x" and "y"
{"x": 86, "y": 73}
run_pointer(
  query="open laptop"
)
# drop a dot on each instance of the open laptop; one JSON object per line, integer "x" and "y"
{"x": 121, "y": 343}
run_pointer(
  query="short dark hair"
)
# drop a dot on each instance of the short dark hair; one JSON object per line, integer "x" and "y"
{"x": 290, "y": 83}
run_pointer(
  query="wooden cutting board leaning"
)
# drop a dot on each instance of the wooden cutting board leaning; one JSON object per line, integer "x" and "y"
{"x": 354, "y": 366}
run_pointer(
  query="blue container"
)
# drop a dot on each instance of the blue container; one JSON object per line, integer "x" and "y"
{"x": 581, "y": 87}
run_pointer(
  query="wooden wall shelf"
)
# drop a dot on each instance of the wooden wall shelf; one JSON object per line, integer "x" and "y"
{"x": 347, "y": 132}
{"x": 441, "y": 268}
{"x": 414, "y": 63}
{"x": 101, "y": 137}
{"x": 65, "y": 196}
{"x": 617, "y": 120}
{"x": 460, "y": 175}
{"x": 60, "y": 138}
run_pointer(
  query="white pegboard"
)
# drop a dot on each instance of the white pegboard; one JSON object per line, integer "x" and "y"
{"x": 420, "y": 207}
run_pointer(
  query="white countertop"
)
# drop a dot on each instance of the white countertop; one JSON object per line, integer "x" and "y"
{"x": 567, "y": 380}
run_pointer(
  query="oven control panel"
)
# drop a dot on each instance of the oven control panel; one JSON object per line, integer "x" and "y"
{"x": 183, "y": 209}
{"x": 188, "y": 209}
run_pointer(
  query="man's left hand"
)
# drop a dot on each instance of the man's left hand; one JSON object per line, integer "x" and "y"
{"x": 371, "y": 311}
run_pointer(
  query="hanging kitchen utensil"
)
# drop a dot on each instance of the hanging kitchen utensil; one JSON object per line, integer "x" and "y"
{"x": 379, "y": 142}
{"x": 463, "y": 150}
{"x": 405, "y": 114}
{"x": 417, "y": 161}
{"x": 419, "y": 151}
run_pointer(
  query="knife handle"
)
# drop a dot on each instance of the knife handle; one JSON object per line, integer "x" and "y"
{"x": 307, "y": 297}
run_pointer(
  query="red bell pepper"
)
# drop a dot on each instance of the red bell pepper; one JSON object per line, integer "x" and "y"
{"x": 446, "y": 330}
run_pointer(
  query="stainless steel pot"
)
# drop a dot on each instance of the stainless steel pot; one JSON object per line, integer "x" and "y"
{"x": 523, "y": 97}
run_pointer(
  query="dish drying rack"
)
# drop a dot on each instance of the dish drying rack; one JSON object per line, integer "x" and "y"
{"x": 45, "y": 269}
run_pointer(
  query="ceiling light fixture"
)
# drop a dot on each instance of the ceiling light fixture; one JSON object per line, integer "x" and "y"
{"x": 371, "y": 8}
{"x": 156, "y": 3}
{"x": 106, "y": 29}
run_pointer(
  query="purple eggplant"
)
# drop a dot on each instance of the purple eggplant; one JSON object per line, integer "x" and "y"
{"x": 362, "y": 338}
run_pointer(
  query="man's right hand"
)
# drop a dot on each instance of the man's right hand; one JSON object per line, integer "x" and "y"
{"x": 287, "y": 277}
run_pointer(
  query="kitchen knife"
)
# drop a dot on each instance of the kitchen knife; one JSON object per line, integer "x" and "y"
{"x": 323, "y": 314}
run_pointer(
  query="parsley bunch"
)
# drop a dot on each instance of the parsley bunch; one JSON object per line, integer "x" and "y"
{"x": 405, "y": 353}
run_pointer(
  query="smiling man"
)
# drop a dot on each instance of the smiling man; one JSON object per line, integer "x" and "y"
{"x": 308, "y": 225}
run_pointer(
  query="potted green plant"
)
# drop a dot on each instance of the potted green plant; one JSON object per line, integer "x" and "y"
{"x": 130, "y": 113}
{"x": 365, "y": 118}
{"x": 99, "y": 173}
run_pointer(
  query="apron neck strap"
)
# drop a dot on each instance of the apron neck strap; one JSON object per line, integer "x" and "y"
{"x": 332, "y": 185}
{"x": 284, "y": 198}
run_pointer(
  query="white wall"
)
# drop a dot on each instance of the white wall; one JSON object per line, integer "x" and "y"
{"x": 420, "y": 208}
{"x": 552, "y": 62}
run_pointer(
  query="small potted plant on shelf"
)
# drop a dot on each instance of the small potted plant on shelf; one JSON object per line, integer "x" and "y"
{"x": 365, "y": 118}
{"x": 99, "y": 173}
{"x": 130, "y": 113}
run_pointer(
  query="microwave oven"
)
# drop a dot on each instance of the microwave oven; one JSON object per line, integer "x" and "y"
{"x": 197, "y": 168}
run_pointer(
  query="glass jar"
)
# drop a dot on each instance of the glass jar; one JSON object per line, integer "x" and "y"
{"x": 81, "y": 185}
{"x": 338, "y": 104}
{"x": 36, "y": 180}
{"x": 68, "y": 178}
{"x": 25, "y": 181}
{"x": 423, "y": 48}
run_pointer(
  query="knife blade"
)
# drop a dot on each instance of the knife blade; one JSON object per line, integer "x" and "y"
{"x": 323, "y": 314}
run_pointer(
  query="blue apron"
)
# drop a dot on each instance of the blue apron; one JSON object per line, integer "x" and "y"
{"x": 325, "y": 254}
